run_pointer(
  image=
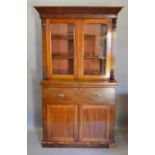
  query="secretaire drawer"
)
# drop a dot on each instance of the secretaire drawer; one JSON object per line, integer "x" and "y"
{"x": 97, "y": 95}
{"x": 60, "y": 95}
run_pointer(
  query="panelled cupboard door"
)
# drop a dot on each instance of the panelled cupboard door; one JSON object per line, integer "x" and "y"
{"x": 95, "y": 123}
{"x": 95, "y": 48}
{"x": 62, "y": 47}
{"x": 62, "y": 123}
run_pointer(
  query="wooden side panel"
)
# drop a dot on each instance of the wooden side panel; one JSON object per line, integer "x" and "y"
{"x": 44, "y": 122}
{"x": 44, "y": 54}
{"x": 48, "y": 49}
{"x": 112, "y": 124}
{"x": 94, "y": 123}
{"x": 62, "y": 123}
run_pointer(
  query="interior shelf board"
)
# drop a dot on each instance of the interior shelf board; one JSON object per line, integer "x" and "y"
{"x": 70, "y": 37}
{"x": 62, "y": 57}
{"x": 88, "y": 36}
{"x": 94, "y": 57}
{"x": 62, "y": 37}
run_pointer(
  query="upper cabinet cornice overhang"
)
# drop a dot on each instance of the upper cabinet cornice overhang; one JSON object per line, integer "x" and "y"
{"x": 76, "y": 11}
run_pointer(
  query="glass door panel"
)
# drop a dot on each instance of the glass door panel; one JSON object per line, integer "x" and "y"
{"x": 62, "y": 48}
{"x": 95, "y": 42}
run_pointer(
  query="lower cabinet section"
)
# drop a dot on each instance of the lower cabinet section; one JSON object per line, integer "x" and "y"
{"x": 62, "y": 123}
{"x": 78, "y": 117}
{"x": 78, "y": 125}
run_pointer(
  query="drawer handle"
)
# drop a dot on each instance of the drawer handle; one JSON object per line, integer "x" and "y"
{"x": 97, "y": 95}
{"x": 60, "y": 95}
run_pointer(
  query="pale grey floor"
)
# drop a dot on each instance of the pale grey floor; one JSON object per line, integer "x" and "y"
{"x": 34, "y": 146}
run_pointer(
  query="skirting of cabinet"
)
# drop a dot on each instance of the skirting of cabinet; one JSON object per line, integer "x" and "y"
{"x": 79, "y": 145}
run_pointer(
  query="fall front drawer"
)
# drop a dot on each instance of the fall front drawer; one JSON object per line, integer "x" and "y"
{"x": 97, "y": 95}
{"x": 60, "y": 95}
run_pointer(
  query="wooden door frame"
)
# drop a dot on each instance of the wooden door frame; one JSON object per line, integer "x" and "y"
{"x": 49, "y": 49}
{"x": 107, "y": 22}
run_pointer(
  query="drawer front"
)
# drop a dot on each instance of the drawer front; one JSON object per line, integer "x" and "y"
{"x": 97, "y": 95}
{"x": 60, "y": 95}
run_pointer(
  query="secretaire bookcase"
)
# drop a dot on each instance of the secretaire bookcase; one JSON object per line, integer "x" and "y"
{"x": 78, "y": 86}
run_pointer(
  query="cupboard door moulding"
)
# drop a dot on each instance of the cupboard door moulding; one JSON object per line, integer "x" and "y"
{"x": 62, "y": 123}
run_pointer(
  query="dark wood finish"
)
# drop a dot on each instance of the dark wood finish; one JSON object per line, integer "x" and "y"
{"x": 78, "y": 16}
{"x": 78, "y": 9}
{"x": 78, "y": 105}
{"x": 79, "y": 144}
{"x": 78, "y": 12}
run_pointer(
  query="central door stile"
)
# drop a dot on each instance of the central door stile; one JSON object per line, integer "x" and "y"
{"x": 76, "y": 52}
{"x": 80, "y": 47}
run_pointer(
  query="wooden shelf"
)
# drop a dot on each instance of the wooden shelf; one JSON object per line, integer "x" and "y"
{"x": 94, "y": 57}
{"x": 87, "y": 36}
{"x": 62, "y": 37}
{"x": 62, "y": 57}
{"x": 70, "y": 37}
{"x": 71, "y": 57}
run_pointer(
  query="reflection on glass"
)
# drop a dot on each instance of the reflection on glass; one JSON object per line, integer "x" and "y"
{"x": 62, "y": 44}
{"x": 95, "y": 36}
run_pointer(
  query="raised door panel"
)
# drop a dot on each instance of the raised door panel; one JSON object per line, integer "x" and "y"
{"x": 94, "y": 123}
{"x": 62, "y": 123}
